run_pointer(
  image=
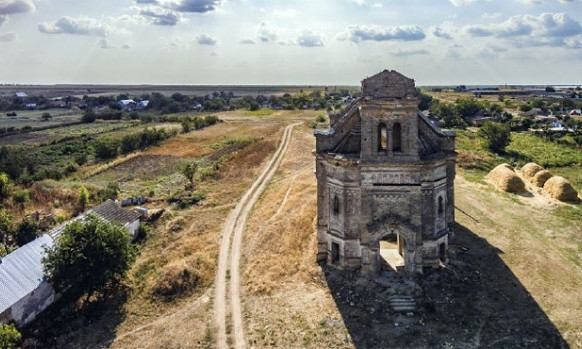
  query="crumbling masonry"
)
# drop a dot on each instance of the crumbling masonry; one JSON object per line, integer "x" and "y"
{"x": 384, "y": 170}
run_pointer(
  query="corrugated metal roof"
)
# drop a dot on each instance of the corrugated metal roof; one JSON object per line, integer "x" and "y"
{"x": 21, "y": 271}
{"x": 112, "y": 212}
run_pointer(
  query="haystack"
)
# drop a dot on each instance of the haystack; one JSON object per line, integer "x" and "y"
{"x": 559, "y": 188}
{"x": 529, "y": 170}
{"x": 541, "y": 177}
{"x": 505, "y": 178}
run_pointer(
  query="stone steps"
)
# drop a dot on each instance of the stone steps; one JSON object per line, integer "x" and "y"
{"x": 402, "y": 304}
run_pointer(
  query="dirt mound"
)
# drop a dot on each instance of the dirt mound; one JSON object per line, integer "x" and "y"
{"x": 559, "y": 188}
{"x": 541, "y": 177}
{"x": 505, "y": 178}
{"x": 529, "y": 170}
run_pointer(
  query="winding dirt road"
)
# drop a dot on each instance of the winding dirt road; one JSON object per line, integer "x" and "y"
{"x": 234, "y": 228}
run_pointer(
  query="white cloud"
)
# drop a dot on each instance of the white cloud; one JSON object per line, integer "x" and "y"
{"x": 105, "y": 44}
{"x": 11, "y": 7}
{"x": 247, "y": 42}
{"x": 3, "y": 19}
{"x": 7, "y": 37}
{"x": 530, "y": 2}
{"x": 266, "y": 33}
{"x": 160, "y": 16}
{"x": 546, "y": 25}
{"x": 406, "y": 53}
{"x": 192, "y": 6}
{"x": 307, "y": 38}
{"x": 461, "y": 2}
{"x": 75, "y": 26}
{"x": 204, "y": 39}
{"x": 359, "y": 33}
{"x": 440, "y": 33}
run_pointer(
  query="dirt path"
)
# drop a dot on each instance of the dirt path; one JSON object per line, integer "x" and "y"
{"x": 234, "y": 227}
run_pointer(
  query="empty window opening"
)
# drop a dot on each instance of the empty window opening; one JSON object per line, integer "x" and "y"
{"x": 336, "y": 204}
{"x": 440, "y": 206}
{"x": 396, "y": 137}
{"x": 392, "y": 253}
{"x": 335, "y": 255}
{"x": 382, "y": 138}
{"x": 442, "y": 252}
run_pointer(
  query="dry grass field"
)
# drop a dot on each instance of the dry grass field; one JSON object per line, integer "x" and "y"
{"x": 513, "y": 281}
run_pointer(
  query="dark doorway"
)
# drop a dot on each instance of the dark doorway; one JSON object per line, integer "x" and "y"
{"x": 334, "y": 253}
{"x": 442, "y": 252}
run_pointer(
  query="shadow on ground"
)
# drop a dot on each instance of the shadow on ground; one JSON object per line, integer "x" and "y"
{"x": 64, "y": 326}
{"x": 475, "y": 302}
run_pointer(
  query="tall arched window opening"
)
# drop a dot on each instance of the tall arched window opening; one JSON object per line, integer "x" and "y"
{"x": 396, "y": 137}
{"x": 382, "y": 138}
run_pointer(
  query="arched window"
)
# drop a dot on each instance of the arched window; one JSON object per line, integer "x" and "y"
{"x": 440, "y": 206}
{"x": 382, "y": 137}
{"x": 396, "y": 137}
{"x": 335, "y": 204}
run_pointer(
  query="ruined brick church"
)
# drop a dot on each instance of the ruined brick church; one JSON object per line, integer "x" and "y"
{"x": 384, "y": 172}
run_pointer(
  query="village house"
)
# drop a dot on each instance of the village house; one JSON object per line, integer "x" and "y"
{"x": 385, "y": 173}
{"x": 24, "y": 290}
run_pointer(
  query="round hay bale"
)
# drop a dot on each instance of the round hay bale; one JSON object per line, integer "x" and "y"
{"x": 529, "y": 170}
{"x": 541, "y": 177}
{"x": 506, "y": 179}
{"x": 559, "y": 188}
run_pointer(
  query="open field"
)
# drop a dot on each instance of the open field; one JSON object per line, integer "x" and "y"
{"x": 513, "y": 280}
{"x": 51, "y": 91}
{"x": 33, "y": 118}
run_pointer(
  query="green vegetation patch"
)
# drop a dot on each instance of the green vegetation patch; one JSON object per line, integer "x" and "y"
{"x": 240, "y": 141}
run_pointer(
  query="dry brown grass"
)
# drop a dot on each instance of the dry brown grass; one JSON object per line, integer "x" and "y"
{"x": 505, "y": 178}
{"x": 279, "y": 244}
{"x": 529, "y": 170}
{"x": 559, "y": 188}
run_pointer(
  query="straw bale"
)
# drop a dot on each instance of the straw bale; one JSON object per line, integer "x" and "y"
{"x": 504, "y": 178}
{"x": 541, "y": 177}
{"x": 529, "y": 170}
{"x": 559, "y": 188}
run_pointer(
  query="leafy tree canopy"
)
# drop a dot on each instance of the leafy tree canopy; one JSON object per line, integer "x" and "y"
{"x": 497, "y": 136}
{"x": 90, "y": 256}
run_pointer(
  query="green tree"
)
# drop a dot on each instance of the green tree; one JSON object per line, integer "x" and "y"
{"x": 5, "y": 185}
{"x": 6, "y": 226}
{"x": 83, "y": 198}
{"x": 189, "y": 171}
{"x": 91, "y": 256}
{"x": 497, "y": 136}
{"x": 9, "y": 336}
{"x": 46, "y": 116}
{"x": 26, "y": 232}
{"x": 21, "y": 197}
{"x": 89, "y": 117}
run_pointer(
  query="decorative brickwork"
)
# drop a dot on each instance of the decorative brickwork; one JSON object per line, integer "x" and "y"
{"x": 384, "y": 170}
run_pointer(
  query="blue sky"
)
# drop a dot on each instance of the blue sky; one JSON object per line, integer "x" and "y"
{"x": 319, "y": 42}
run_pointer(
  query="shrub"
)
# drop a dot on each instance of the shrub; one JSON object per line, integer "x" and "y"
{"x": 21, "y": 197}
{"x": 497, "y": 136}
{"x": 26, "y": 232}
{"x": 9, "y": 336}
{"x": 5, "y": 185}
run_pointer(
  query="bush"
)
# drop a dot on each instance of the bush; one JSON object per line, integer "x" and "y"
{"x": 497, "y": 136}
{"x": 26, "y": 232}
{"x": 21, "y": 197}
{"x": 9, "y": 336}
{"x": 5, "y": 185}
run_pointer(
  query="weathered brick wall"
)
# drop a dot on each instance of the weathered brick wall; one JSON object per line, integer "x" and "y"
{"x": 388, "y": 84}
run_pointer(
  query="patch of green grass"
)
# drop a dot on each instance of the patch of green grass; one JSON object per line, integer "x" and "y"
{"x": 243, "y": 141}
{"x": 543, "y": 152}
{"x": 571, "y": 213}
{"x": 261, "y": 112}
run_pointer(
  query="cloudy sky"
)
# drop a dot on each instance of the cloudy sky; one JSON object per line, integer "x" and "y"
{"x": 321, "y": 42}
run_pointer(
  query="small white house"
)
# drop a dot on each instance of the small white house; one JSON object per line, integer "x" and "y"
{"x": 24, "y": 291}
{"x": 112, "y": 212}
{"x": 126, "y": 104}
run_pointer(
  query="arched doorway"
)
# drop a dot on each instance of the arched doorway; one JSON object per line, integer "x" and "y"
{"x": 392, "y": 250}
